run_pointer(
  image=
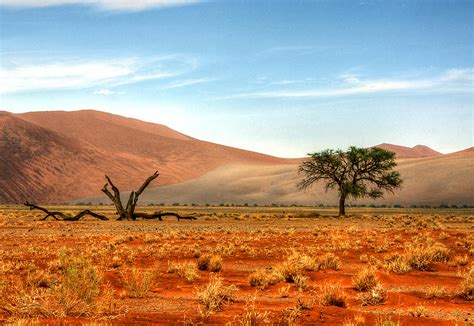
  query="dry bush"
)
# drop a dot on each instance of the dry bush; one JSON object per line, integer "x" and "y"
{"x": 439, "y": 253}
{"x": 304, "y": 262}
{"x": 373, "y": 296}
{"x": 137, "y": 282}
{"x": 433, "y": 292}
{"x": 301, "y": 282}
{"x": 467, "y": 286}
{"x": 332, "y": 295}
{"x": 290, "y": 271}
{"x": 296, "y": 265}
{"x": 80, "y": 280}
{"x": 460, "y": 261}
{"x": 77, "y": 292}
{"x": 418, "y": 257}
{"x": 215, "y": 294}
{"x": 251, "y": 316}
{"x": 184, "y": 270}
{"x": 364, "y": 258}
{"x": 357, "y": 320}
{"x": 211, "y": 263}
{"x": 330, "y": 261}
{"x": 262, "y": 279}
{"x": 396, "y": 264}
{"x": 365, "y": 280}
{"x": 291, "y": 315}
{"x": 284, "y": 292}
{"x": 383, "y": 321}
{"x": 418, "y": 311}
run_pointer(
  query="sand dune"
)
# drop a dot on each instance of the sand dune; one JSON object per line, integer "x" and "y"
{"x": 62, "y": 156}
{"x": 410, "y": 152}
{"x": 41, "y": 165}
{"x": 59, "y": 156}
{"x": 435, "y": 180}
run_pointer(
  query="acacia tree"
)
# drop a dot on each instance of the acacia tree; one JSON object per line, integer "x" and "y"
{"x": 356, "y": 173}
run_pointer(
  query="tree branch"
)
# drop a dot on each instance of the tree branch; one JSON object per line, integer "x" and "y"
{"x": 60, "y": 216}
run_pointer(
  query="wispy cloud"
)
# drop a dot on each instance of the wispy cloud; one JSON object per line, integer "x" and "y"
{"x": 72, "y": 74}
{"x": 454, "y": 80}
{"x": 104, "y": 92}
{"x": 114, "y": 5}
{"x": 188, "y": 82}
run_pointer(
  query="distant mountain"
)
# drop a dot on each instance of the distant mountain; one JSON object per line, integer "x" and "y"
{"x": 61, "y": 156}
{"x": 410, "y": 152}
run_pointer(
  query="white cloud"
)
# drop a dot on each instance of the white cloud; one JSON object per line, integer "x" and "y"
{"x": 71, "y": 74}
{"x": 188, "y": 82}
{"x": 104, "y": 92}
{"x": 458, "y": 80}
{"x": 117, "y": 5}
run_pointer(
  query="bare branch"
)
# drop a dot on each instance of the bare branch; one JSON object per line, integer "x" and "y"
{"x": 59, "y": 216}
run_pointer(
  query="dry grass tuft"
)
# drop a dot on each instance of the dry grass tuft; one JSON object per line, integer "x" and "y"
{"x": 433, "y": 292}
{"x": 284, "y": 292}
{"x": 332, "y": 295}
{"x": 184, "y": 270}
{"x": 211, "y": 263}
{"x": 419, "y": 311}
{"x": 76, "y": 292}
{"x": 357, "y": 320}
{"x": 215, "y": 294}
{"x": 138, "y": 282}
{"x": 372, "y": 297}
{"x": 252, "y": 316}
{"x": 396, "y": 264}
{"x": 296, "y": 265}
{"x": 365, "y": 280}
{"x": 467, "y": 286}
{"x": 330, "y": 261}
{"x": 384, "y": 321}
{"x": 262, "y": 279}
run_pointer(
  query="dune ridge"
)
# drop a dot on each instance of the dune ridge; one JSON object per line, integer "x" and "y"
{"x": 59, "y": 156}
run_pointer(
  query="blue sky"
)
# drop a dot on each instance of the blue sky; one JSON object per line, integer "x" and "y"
{"x": 279, "y": 77}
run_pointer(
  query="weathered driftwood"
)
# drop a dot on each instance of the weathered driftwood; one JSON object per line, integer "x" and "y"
{"x": 60, "y": 216}
{"x": 128, "y": 213}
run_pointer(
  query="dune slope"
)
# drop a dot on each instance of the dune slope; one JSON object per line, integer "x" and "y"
{"x": 60, "y": 156}
{"x": 427, "y": 181}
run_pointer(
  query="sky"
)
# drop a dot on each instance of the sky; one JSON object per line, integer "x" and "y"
{"x": 282, "y": 77}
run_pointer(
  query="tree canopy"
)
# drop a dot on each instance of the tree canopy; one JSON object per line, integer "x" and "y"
{"x": 356, "y": 173}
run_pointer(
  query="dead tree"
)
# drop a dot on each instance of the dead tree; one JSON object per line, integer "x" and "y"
{"x": 128, "y": 213}
{"x": 60, "y": 216}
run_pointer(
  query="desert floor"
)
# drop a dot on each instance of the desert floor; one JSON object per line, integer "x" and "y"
{"x": 241, "y": 266}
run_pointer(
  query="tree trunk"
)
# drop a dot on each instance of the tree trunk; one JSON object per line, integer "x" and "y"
{"x": 342, "y": 205}
{"x": 128, "y": 213}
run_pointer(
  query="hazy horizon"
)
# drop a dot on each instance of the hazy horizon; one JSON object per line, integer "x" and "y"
{"x": 279, "y": 78}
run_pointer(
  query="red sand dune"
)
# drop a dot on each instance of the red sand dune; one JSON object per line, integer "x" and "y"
{"x": 61, "y": 156}
{"x": 410, "y": 152}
